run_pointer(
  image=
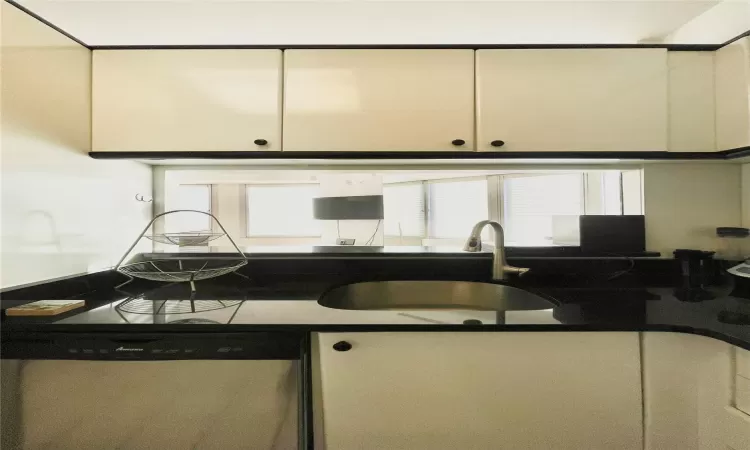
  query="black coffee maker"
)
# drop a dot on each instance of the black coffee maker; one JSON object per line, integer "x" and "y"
{"x": 696, "y": 267}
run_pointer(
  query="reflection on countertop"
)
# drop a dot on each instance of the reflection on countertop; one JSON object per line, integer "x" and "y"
{"x": 388, "y": 250}
{"x": 294, "y": 304}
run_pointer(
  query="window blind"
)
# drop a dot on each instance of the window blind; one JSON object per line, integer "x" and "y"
{"x": 539, "y": 209}
{"x": 612, "y": 193}
{"x": 456, "y": 206}
{"x": 404, "y": 210}
{"x": 285, "y": 210}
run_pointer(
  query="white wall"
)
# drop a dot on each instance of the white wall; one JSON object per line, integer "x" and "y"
{"x": 63, "y": 213}
{"x": 685, "y": 202}
{"x": 723, "y": 21}
{"x": 385, "y": 22}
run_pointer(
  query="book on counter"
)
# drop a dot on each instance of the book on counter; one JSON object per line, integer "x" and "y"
{"x": 44, "y": 308}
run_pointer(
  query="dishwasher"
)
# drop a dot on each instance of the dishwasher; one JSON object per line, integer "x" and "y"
{"x": 146, "y": 390}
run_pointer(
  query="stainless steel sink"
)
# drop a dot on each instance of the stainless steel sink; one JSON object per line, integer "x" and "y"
{"x": 432, "y": 295}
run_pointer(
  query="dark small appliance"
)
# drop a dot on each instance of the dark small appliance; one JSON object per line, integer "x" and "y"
{"x": 622, "y": 235}
{"x": 695, "y": 269}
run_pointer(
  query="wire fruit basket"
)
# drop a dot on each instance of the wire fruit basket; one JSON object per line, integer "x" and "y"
{"x": 167, "y": 307}
{"x": 185, "y": 239}
{"x": 188, "y": 268}
{"x": 164, "y": 308}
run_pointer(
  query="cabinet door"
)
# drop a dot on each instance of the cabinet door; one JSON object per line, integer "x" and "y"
{"x": 733, "y": 95}
{"x": 689, "y": 390}
{"x": 378, "y": 100}
{"x": 691, "y": 102}
{"x": 186, "y": 100}
{"x": 572, "y": 100}
{"x": 484, "y": 391}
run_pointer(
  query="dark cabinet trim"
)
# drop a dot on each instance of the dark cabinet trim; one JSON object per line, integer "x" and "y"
{"x": 431, "y": 155}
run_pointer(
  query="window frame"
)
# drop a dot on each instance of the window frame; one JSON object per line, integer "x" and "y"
{"x": 490, "y": 208}
{"x": 494, "y": 206}
{"x": 587, "y": 194}
{"x": 425, "y": 205}
{"x": 592, "y": 199}
{"x": 245, "y": 211}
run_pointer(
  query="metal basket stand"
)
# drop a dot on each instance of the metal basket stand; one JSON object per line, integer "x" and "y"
{"x": 181, "y": 268}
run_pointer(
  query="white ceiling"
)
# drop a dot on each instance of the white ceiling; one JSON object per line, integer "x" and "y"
{"x": 365, "y": 22}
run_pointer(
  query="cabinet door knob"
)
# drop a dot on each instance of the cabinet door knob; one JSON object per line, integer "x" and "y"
{"x": 260, "y": 142}
{"x": 458, "y": 142}
{"x": 342, "y": 346}
{"x": 497, "y": 143}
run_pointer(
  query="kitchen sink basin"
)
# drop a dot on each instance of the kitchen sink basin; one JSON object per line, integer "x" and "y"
{"x": 411, "y": 295}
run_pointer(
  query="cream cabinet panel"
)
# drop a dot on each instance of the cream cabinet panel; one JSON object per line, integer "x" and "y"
{"x": 186, "y": 100}
{"x": 743, "y": 362}
{"x": 742, "y": 394}
{"x": 378, "y": 100}
{"x": 689, "y": 388}
{"x": 691, "y": 102}
{"x": 433, "y": 391}
{"x": 733, "y": 95}
{"x": 737, "y": 425}
{"x": 572, "y": 100}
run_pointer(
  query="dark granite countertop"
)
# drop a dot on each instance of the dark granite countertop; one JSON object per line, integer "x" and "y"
{"x": 720, "y": 312}
{"x": 317, "y": 251}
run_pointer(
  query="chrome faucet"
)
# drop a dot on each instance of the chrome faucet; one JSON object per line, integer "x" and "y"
{"x": 500, "y": 267}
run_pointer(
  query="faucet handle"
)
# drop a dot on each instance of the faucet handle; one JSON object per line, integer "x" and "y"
{"x": 473, "y": 244}
{"x": 516, "y": 270}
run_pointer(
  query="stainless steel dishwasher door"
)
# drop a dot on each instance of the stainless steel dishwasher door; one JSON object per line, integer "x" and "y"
{"x": 191, "y": 404}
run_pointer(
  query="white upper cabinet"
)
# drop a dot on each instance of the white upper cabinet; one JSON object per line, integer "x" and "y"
{"x": 691, "y": 102}
{"x": 378, "y": 100}
{"x": 733, "y": 95}
{"x": 186, "y": 100}
{"x": 572, "y": 100}
{"x": 447, "y": 391}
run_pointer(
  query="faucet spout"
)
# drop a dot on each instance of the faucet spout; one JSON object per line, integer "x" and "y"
{"x": 500, "y": 267}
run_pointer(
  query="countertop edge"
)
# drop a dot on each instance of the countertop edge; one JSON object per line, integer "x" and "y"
{"x": 24, "y": 331}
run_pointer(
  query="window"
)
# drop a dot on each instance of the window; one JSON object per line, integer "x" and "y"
{"x": 456, "y": 206}
{"x": 403, "y": 206}
{"x": 281, "y": 210}
{"x": 612, "y": 193}
{"x": 190, "y": 196}
{"x": 542, "y": 210}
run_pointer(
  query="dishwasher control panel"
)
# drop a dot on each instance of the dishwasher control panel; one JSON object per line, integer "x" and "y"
{"x": 104, "y": 346}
